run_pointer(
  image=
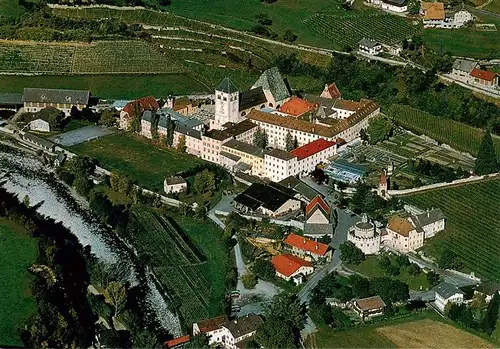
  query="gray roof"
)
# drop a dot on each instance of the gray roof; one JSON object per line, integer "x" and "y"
{"x": 56, "y": 96}
{"x": 174, "y": 180}
{"x": 35, "y": 139}
{"x": 188, "y": 131}
{"x": 395, "y": 2}
{"x": 244, "y": 147}
{"x": 272, "y": 80}
{"x": 368, "y": 43}
{"x": 242, "y": 167}
{"x": 446, "y": 290}
{"x": 11, "y": 98}
{"x": 243, "y": 325}
{"x": 316, "y": 230}
{"x": 252, "y": 98}
{"x": 230, "y": 156}
{"x": 464, "y": 65}
{"x": 300, "y": 187}
{"x": 428, "y": 217}
{"x": 488, "y": 288}
{"x": 227, "y": 86}
{"x": 280, "y": 154}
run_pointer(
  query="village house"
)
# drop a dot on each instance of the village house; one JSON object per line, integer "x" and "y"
{"x": 138, "y": 107}
{"x": 431, "y": 221}
{"x": 317, "y": 211}
{"x": 270, "y": 199}
{"x": 447, "y": 293}
{"x": 235, "y": 152}
{"x": 297, "y": 107}
{"x": 331, "y": 92}
{"x": 210, "y": 327}
{"x": 434, "y": 16}
{"x": 307, "y": 249}
{"x": 39, "y": 125}
{"x": 289, "y": 267}
{"x": 484, "y": 78}
{"x": 402, "y": 235}
{"x": 36, "y": 99}
{"x": 367, "y": 308}
{"x": 175, "y": 184}
{"x": 462, "y": 69}
{"x": 369, "y": 47}
{"x": 364, "y": 235}
{"x": 235, "y": 334}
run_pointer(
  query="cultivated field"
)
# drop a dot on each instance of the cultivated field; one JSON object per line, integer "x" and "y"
{"x": 193, "y": 278}
{"x": 493, "y": 6}
{"x": 348, "y": 30}
{"x": 18, "y": 254}
{"x": 136, "y": 157}
{"x": 472, "y": 224}
{"x": 457, "y": 135}
{"x": 431, "y": 334}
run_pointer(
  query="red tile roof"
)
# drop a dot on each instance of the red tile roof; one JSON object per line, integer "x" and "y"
{"x": 383, "y": 179}
{"x": 305, "y": 244}
{"x": 370, "y": 303}
{"x": 211, "y": 324}
{"x": 145, "y": 103}
{"x": 483, "y": 74}
{"x": 318, "y": 200}
{"x": 312, "y": 148}
{"x": 287, "y": 264}
{"x": 177, "y": 341}
{"x": 297, "y": 107}
{"x": 334, "y": 91}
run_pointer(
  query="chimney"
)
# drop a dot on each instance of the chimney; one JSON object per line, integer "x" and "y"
{"x": 317, "y": 246}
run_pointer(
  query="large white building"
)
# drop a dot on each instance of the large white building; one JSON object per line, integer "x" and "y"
{"x": 447, "y": 293}
{"x": 364, "y": 235}
{"x": 36, "y": 99}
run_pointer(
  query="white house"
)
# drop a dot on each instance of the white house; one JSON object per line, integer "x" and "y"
{"x": 231, "y": 334}
{"x": 290, "y": 267}
{"x": 402, "y": 235}
{"x": 311, "y": 154}
{"x": 364, "y": 235}
{"x": 175, "y": 184}
{"x": 398, "y": 6}
{"x": 369, "y": 47}
{"x": 40, "y": 125}
{"x": 447, "y": 293}
{"x": 307, "y": 249}
{"x": 462, "y": 69}
{"x": 368, "y": 308}
{"x": 431, "y": 222}
{"x": 211, "y": 328}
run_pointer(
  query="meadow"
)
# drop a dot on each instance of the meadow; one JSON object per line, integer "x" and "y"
{"x": 19, "y": 252}
{"x": 137, "y": 157}
{"x": 457, "y": 135}
{"x": 472, "y": 224}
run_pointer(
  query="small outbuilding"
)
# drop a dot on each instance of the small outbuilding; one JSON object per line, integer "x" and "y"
{"x": 175, "y": 184}
{"x": 367, "y": 308}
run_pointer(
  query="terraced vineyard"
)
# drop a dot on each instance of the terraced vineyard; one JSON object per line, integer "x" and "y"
{"x": 472, "y": 224}
{"x": 175, "y": 261}
{"x": 348, "y": 30}
{"x": 455, "y": 134}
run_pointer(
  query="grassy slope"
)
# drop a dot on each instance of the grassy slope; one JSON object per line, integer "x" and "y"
{"x": 18, "y": 253}
{"x": 136, "y": 157}
{"x": 11, "y": 8}
{"x": 109, "y": 86}
{"x": 472, "y": 224}
{"x": 494, "y": 6}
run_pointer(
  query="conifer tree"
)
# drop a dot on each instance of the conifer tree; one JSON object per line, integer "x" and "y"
{"x": 486, "y": 161}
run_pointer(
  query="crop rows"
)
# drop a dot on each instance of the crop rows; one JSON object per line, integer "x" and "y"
{"x": 176, "y": 265}
{"x": 472, "y": 223}
{"x": 455, "y": 134}
{"x": 349, "y": 30}
{"x": 44, "y": 58}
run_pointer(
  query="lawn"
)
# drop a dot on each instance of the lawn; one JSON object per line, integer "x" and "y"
{"x": 494, "y": 6}
{"x": 11, "y": 9}
{"x": 370, "y": 268}
{"x": 109, "y": 86}
{"x": 472, "y": 224}
{"x": 137, "y": 157}
{"x": 18, "y": 253}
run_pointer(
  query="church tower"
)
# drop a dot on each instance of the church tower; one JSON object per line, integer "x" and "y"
{"x": 226, "y": 104}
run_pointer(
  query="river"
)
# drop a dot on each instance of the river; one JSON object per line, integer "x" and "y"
{"x": 28, "y": 176}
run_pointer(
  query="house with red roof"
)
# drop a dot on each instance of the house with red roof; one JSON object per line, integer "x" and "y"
{"x": 313, "y": 153}
{"x": 331, "y": 91}
{"x": 297, "y": 107}
{"x": 307, "y": 249}
{"x": 138, "y": 106}
{"x": 290, "y": 267}
{"x": 173, "y": 343}
{"x": 484, "y": 77}
{"x": 318, "y": 211}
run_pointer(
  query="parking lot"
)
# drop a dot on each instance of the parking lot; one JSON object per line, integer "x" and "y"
{"x": 81, "y": 135}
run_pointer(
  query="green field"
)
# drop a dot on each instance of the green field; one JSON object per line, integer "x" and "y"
{"x": 457, "y": 135}
{"x": 494, "y": 6}
{"x": 11, "y": 9}
{"x": 348, "y": 30}
{"x": 472, "y": 224}
{"x": 370, "y": 268}
{"x": 191, "y": 270}
{"x": 136, "y": 157}
{"x": 18, "y": 253}
{"x": 109, "y": 86}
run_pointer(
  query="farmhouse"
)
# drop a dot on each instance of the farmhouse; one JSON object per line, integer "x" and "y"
{"x": 135, "y": 109}
{"x": 36, "y": 99}
{"x": 307, "y": 249}
{"x": 462, "y": 69}
{"x": 297, "y": 107}
{"x": 365, "y": 236}
{"x": 484, "y": 78}
{"x": 331, "y": 92}
{"x": 447, "y": 293}
{"x": 434, "y": 16}
{"x": 236, "y": 333}
{"x": 369, "y": 47}
{"x": 175, "y": 184}
{"x": 290, "y": 267}
{"x": 367, "y": 308}
{"x": 269, "y": 199}
{"x": 210, "y": 327}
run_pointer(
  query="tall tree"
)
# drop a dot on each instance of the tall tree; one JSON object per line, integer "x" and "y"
{"x": 486, "y": 161}
{"x": 289, "y": 146}
{"x": 181, "y": 145}
{"x": 260, "y": 138}
{"x": 135, "y": 125}
{"x": 379, "y": 129}
{"x": 169, "y": 137}
{"x": 491, "y": 317}
{"x": 204, "y": 182}
{"x": 116, "y": 294}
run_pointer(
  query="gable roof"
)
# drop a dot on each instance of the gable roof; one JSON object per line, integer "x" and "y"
{"x": 483, "y": 74}
{"x": 244, "y": 147}
{"x": 300, "y": 187}
{"x": 142, "y": 104}
{"x": 272, "y": 81}
{"x": 400, "y": 225}
{"x": 312, "y": 148}
{"x": 305, "y": 244}
{"x": 177, "y": 341}
{"x": 433, "y": 10}
{"x": 464, "y": 65}
{"x": 47, "y": 95}
{"x": 370, "y": 303}
{"x": 181, "y": 103}
{"x": 227, "y": 86}
{"x": 318, "y": 201}
{"x": 279, "y": 154}
{"x": 243, "y": 325}
{"x": 270, "y": 196}
{"x": 212, "y": 324}
{"x": 446, "y": 290}
{"x": 331, "y": 91}
{"x": 286, "y": 264}
{"x": 297, "y": 106}
{"x": 368, "y": 43}
{"x": 428, "y": 217}
{"x": 252, "y": 98}
{"x": 175, "y": 180}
